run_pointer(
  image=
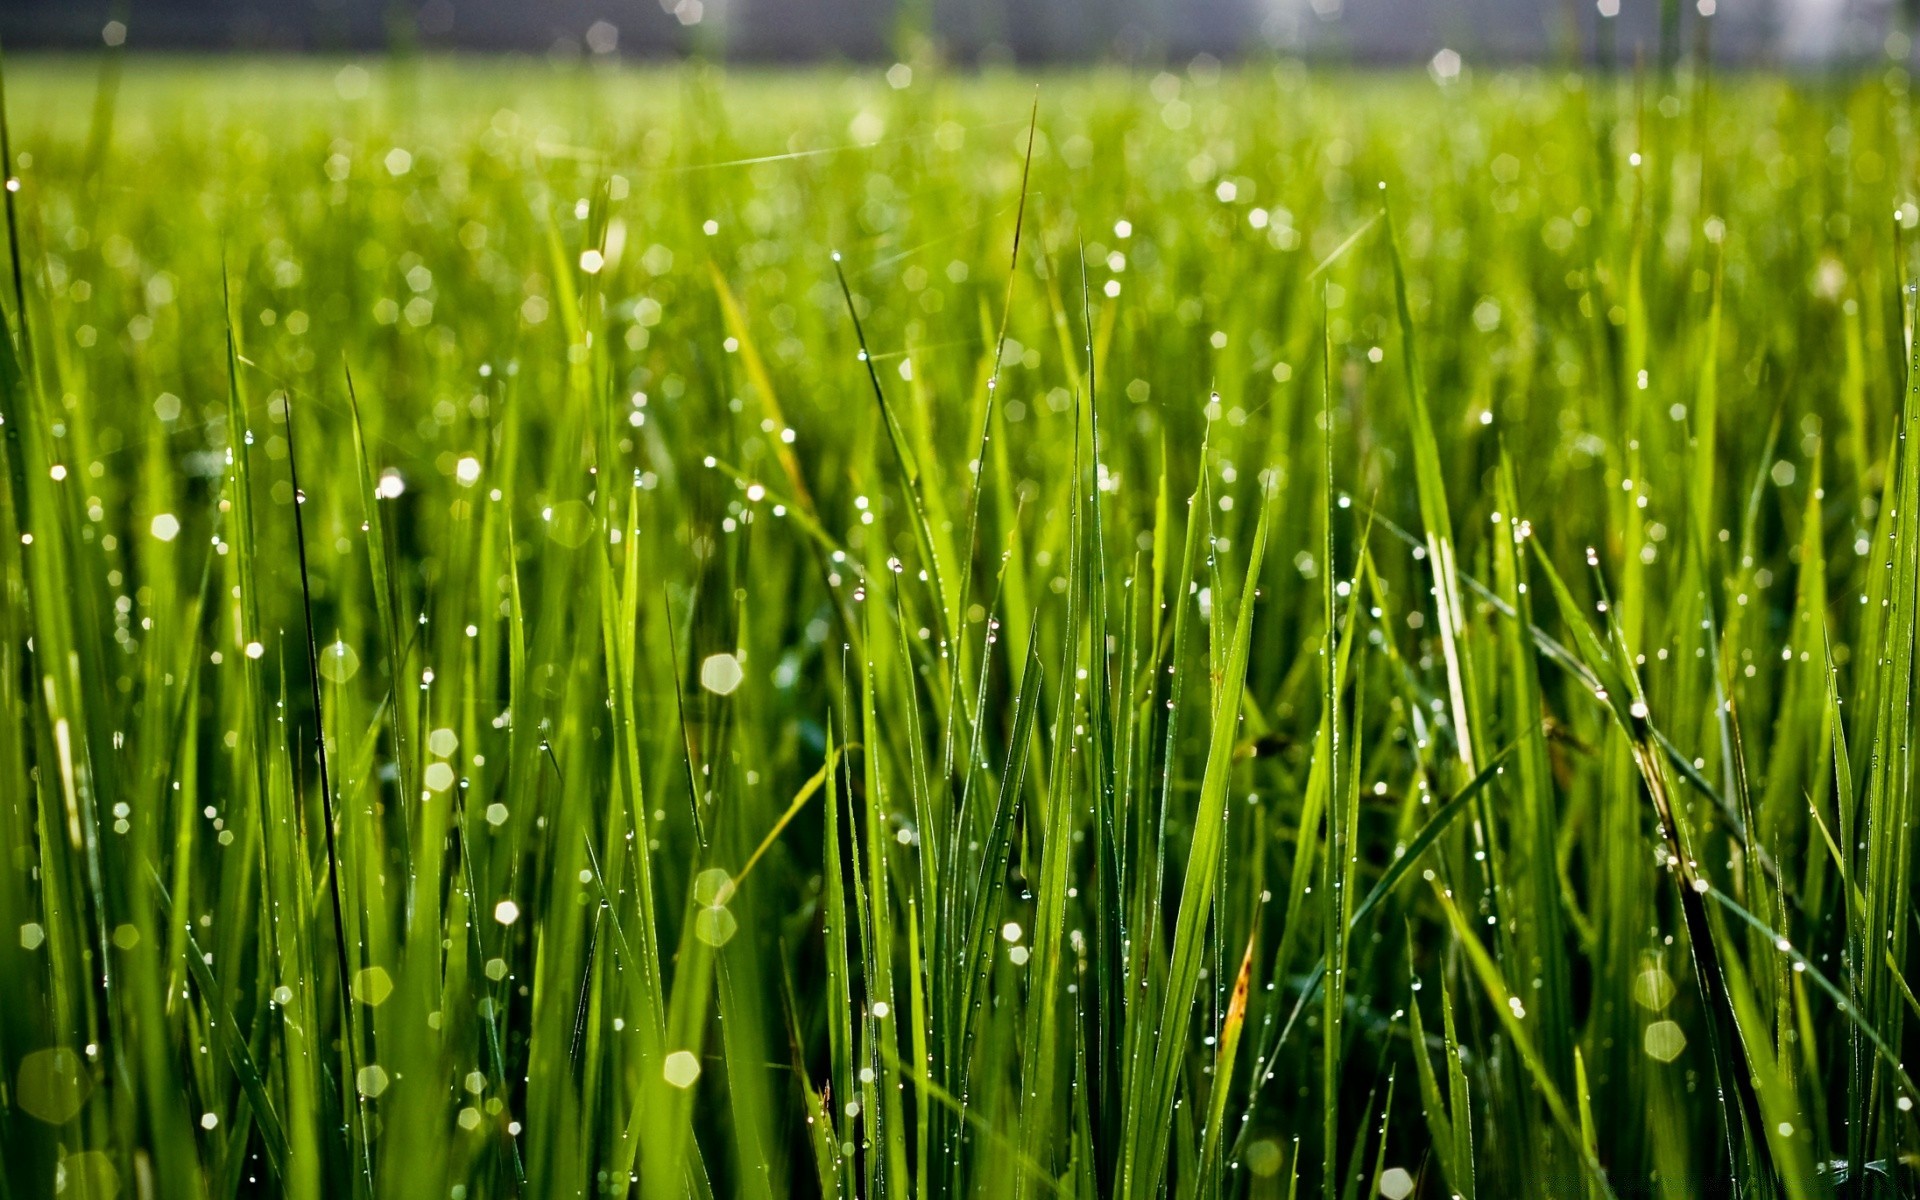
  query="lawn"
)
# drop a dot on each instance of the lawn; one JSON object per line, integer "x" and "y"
{"x": 1269, "y": 631}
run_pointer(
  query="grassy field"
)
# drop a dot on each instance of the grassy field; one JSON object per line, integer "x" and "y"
{"x": 881, "y": 633}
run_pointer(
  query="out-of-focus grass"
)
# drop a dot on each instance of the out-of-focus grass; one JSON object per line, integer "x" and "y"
{"x": 1350, "y": 632}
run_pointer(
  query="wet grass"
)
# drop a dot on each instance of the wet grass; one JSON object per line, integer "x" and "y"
{"x": 577, "y": 631}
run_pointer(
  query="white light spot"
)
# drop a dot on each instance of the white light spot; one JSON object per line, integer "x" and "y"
{"x": 681, "y": 1068}
{"x": 165, "y": 526}
{"x": 720, "y": 674}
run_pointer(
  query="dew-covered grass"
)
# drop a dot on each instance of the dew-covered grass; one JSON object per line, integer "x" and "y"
{"x": 1261, "y": 632}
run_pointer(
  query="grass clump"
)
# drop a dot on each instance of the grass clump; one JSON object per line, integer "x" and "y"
{"x": 578, "y": 631}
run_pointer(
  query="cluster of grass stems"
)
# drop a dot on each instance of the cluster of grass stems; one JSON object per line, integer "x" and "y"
{"x": 577, "y": 631}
